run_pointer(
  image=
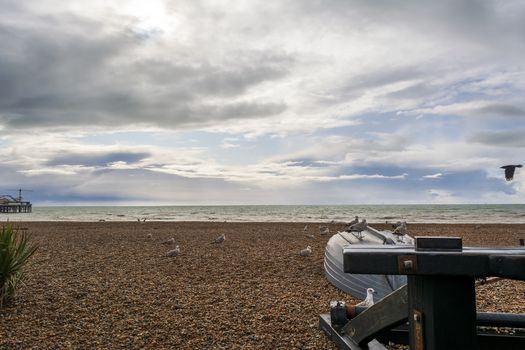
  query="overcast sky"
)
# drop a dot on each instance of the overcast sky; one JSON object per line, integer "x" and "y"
{"x": 262, "y": 102}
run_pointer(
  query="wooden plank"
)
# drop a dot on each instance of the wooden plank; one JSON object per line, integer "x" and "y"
{"x": 390, "y": 312}
{"x": 442, "y": 313}
{"x": 486, "y": 341}
{"x": 343, "y": 342}
{"x": 500, "y": 262}
{"x": 439, "y": 243}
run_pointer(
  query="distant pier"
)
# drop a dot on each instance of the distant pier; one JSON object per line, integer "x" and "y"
{"x": 9, "y": 204}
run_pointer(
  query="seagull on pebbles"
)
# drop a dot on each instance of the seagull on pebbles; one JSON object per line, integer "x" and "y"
{"x": 173, "y": 252}
{"x": 169, "y": 241}
{"x": 305, "y": 252}
{"x": 305, "y": 228}
{"x": 324, "y": 230}
{"x": 219, "y": 239}
{"x": 150, "y": 236}
{"x": 369, "y": 301}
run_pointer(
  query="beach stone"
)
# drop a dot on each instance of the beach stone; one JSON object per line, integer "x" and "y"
{"x": 102, "y": 286}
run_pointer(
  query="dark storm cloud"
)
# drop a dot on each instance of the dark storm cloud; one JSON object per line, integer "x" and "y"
{"x": 98, "y": 159}
{"x": 501, "y": 110}
{"x": 510, "y": 138}
{"x": 71, "y": 71}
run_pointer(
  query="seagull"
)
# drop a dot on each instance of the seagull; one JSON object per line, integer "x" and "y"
{"x": 323, "y": 230}
{"x": 369, "y": 301}
{"x": 219, "y": 239}
{"x": 173, "y": 252}
{"x": 305, "y": 228}
{"x": 351, "y": 223}
{"x": 305, "y": 252}
{"x": 393, "y": 224}
{"x": 360, "y": 226}
{"x": 150, "y": 235}
{"x": 401, "y": 229}
{"x": 509, "y": 171}
{"x": 169, "y": 241}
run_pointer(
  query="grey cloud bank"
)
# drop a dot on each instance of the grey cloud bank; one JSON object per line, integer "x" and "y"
{"x": 312, "y": 93}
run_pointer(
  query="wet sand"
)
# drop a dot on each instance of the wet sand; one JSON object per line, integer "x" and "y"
{"x": 106, "y": 285}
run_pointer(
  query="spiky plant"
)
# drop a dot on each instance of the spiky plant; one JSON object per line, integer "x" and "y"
{"x": 15, "y": 250}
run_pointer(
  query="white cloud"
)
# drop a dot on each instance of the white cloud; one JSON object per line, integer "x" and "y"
{"x": 433, "y": 176}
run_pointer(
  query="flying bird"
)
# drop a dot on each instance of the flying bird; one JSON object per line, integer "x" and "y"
{"x": 305, "y": 252}
{"x": 509, "y": 171}
{"x": 219, "y": 239}
{"x": 369, "y": 301}
{"x": 173, "y": 252}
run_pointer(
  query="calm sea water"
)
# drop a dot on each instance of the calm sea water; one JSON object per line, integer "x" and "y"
{"x": 283, "y": 213}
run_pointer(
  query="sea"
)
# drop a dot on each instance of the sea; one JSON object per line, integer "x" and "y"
{"x": 461, "y": 213}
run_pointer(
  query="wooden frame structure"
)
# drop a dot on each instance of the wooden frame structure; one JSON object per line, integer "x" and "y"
{"x": 438, "y": 301}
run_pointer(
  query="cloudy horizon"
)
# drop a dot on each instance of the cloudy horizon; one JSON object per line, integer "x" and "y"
{"x": 249, "y": 102}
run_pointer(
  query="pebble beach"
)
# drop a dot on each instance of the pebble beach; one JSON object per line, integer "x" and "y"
{"x": 110, "y": 285}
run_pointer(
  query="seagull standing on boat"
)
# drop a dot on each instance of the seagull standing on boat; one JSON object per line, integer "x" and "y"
{"x": 393, "y": 224}
{"x": 305, "y": 252}
{"x": 401, "y": 230}
{"x": 369, "y": 301}
{"x": 509, "y": 171}
{"x": 173, "y": 252}
{"x": 219, "y": 239}
{"x": 351, "y": 223}
{"x": 360, "y": 226}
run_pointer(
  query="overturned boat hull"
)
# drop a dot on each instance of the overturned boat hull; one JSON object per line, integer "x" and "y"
{"x": 356, "y": 284}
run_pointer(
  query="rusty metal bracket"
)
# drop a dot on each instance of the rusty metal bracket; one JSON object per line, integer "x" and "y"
{"x": 418, "y": 330}
{"x": 407, "y": 264}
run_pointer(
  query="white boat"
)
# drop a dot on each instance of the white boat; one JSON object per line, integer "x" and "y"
{"x": 356, "y": 284}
